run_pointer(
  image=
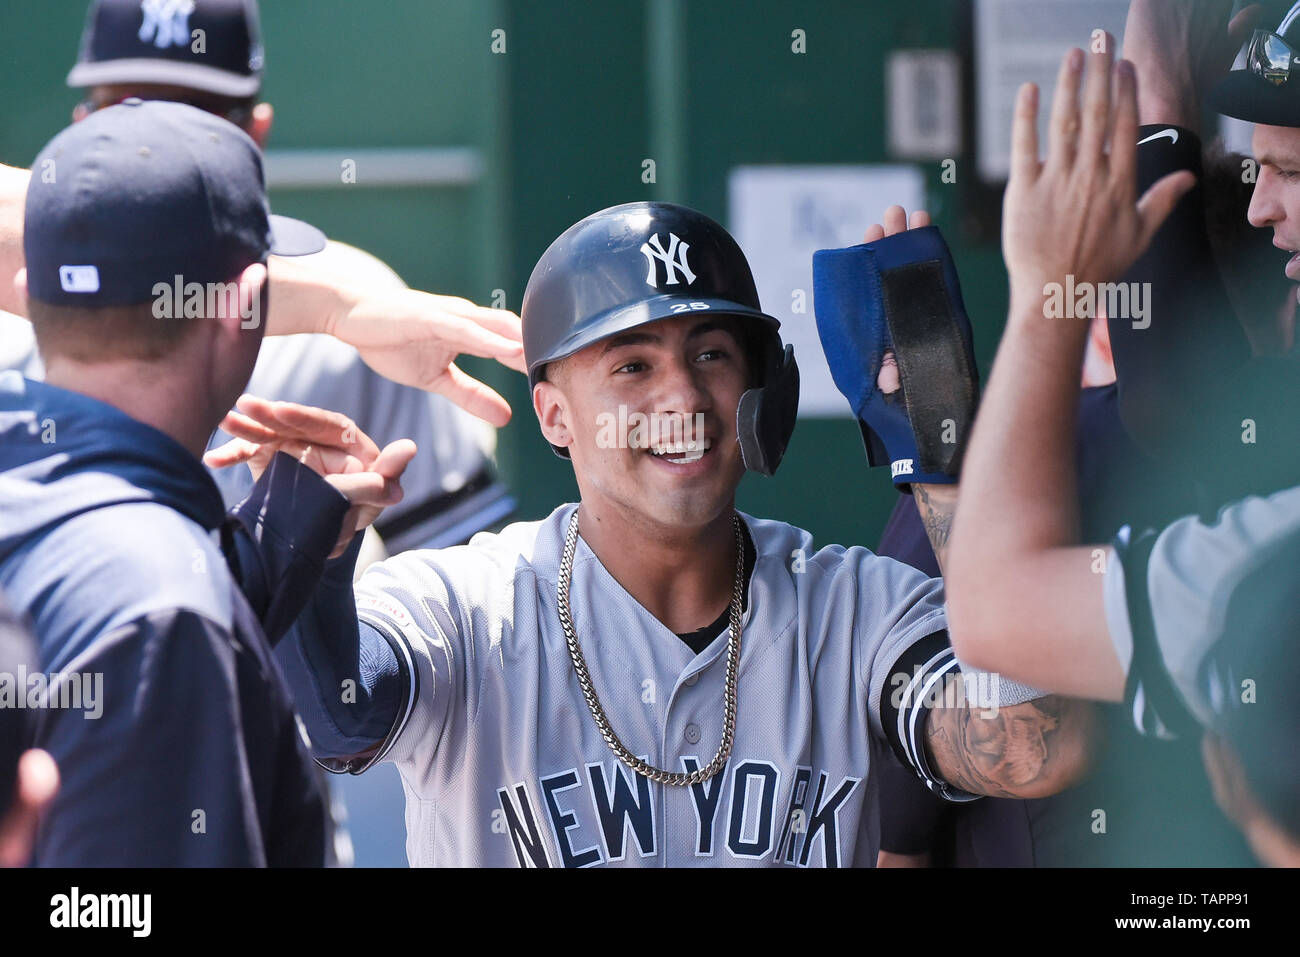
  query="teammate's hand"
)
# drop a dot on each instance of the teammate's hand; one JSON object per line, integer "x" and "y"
{"x": 896, "y": 221}
{"x": 328, "y": 443}
{"x": 1180, "y": 48}
{"x": 1077, "y": 213}
{"x": 413, "y": 337}
{"x": 874, "y": 340}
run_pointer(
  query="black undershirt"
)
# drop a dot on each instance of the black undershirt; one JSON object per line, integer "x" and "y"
{"x": 701, "y": 638}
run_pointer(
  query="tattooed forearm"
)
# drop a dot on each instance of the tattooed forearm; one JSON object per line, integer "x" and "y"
{"x": 1024, "y": 751}
{"x": 936, "y": 503}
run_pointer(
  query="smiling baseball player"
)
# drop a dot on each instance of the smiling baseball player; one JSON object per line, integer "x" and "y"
{"x": 650, "y": 677}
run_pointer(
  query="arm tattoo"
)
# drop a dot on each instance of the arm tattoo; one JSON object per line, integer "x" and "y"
{"x": 1023, "y": 751}
{"x": 936, "y": 511}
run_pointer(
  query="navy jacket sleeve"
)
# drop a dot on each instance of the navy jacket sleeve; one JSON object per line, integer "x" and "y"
{"x": 349, "y": 684}
{"x": 156, "y": 770}
{"x": 277, "y": 540}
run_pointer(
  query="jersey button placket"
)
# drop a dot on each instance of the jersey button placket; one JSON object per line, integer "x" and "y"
{"x": 692, "y": 734}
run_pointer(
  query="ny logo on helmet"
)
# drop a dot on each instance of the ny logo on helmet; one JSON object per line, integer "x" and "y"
{"x": 673, "y": 260}
{"x": 167, "y": 22}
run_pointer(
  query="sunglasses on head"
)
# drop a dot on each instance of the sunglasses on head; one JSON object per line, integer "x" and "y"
{"x": 1271, "y": 58}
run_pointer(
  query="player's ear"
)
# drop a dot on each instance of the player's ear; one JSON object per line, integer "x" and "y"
{"x": 239, "y": 308}
{"x": 552, "y": 413}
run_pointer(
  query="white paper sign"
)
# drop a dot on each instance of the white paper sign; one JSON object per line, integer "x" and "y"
{"x": 923, "y": 90}
{"x": 1022, "y": 41}
{"x": 781, "y": 215}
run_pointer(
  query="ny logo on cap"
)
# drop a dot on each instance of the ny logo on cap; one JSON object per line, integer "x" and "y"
{"x": 673, "y": 260}
{"x": 167, "y": 22}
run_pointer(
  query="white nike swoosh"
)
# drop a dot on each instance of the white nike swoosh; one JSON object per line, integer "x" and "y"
{"x": 1172, "y": 134}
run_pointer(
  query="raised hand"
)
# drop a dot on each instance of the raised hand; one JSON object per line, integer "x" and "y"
{"x": 873, "y": 312}
{"x": 414, "y": 337}
{"x": 1077, "y": 213}
{"x": 405, "y": 335}
{"x": 328, "y": 443}
{"x": 896, "y": 221}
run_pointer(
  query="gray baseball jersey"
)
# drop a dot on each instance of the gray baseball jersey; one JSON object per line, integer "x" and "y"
{"x": 1171, "y": 591}
{"x": 503, "y": 765}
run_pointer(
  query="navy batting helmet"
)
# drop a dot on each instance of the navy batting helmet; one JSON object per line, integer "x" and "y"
{"x": 640, "y": 262}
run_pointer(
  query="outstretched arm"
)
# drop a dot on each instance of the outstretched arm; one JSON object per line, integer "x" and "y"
{"x": 1023, "y": 597}
{"x": 1027, "y": 750}
{"x": 348, "y": 681}
{"x": 1011, "y": 740}
{"x": 1032, "y": 749}
{"x": 408, "y": 336}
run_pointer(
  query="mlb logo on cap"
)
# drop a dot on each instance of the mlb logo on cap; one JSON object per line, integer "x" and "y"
{"x": 83, "y": 279}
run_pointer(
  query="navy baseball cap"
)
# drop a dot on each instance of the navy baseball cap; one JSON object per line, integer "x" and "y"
{"x": 142, "y": 192}
{"x": 1267, "y": 90}
{"x": 210, "y": 45}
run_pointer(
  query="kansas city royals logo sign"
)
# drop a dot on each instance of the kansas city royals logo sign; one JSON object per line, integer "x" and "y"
{"x": 674, "y": 260}
{"x": 166, "y": 22}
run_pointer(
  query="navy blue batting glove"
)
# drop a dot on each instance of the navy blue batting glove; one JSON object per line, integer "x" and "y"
{"x": 900, "y": 297}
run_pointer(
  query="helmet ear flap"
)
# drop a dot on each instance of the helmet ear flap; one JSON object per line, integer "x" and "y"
{"x": 766, "y": 415}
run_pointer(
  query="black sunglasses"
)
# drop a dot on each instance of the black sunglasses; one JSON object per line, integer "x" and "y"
{"x": 1271, "y": 58}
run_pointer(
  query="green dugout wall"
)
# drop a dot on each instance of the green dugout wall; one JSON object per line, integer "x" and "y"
{"x": 468, "y": 162}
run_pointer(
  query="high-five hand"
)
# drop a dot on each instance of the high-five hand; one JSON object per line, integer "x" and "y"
{"x": 406, "y": 335}
{"x": 328, "y": 443}
{"x": 1077, "y": 213}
